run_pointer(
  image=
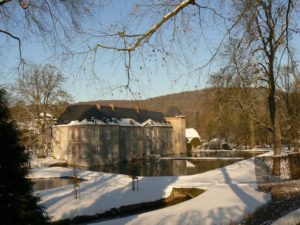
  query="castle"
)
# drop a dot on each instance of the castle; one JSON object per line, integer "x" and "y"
{"x": 91, "y": 134}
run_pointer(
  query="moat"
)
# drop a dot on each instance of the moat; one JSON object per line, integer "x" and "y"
{"x": 199, "y": 162}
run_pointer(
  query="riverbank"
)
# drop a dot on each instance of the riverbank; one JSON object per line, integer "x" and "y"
{"x": 231, "y": 194}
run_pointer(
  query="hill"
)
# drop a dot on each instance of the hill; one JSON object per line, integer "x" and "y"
{"x": 202, "y": 109}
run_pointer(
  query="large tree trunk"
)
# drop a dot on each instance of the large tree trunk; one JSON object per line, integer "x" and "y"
{"x": 277, "y": 139}
{"x": 273, "y": 107}
{"x": 252, "y": 134}
{"x": 275, "y": 124}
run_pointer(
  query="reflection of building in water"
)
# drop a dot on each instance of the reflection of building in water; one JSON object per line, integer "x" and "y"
{"x": 90, "y": 134}
{"x": 165, "y": 168}
{"x": 179, "y": 167}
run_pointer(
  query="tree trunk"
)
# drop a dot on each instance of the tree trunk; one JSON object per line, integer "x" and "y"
{"x": 277, "y": 139}
{"x": 276, "y": 166}
{"x": 252, "y": 134}
{"x": 273, "y": 108}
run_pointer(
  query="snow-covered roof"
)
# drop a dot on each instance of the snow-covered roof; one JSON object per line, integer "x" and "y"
{"x": 126, "y": 122}
{"x": 107, "y": 114}
{"x": 84, "y": 114}
{"x": 191, "y": 133}
{"x": 85, "y": 122}
{"x": 48, "y": 115}
{"x": 152, "y": 123}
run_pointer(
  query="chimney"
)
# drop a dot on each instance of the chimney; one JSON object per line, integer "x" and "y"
{"x": 98, "y": 106}
{"x": 112, "y": 105}
{"x": 137, "y": 109}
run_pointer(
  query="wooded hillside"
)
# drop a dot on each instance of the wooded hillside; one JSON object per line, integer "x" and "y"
{"x": 212, "y": 112}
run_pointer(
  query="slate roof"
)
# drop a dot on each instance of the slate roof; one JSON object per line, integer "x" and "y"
{"x": 106, "y": 113}
{"x": 173, "y": 112}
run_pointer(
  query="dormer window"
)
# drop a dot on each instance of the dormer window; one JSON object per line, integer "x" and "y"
{"x": 131, "y": 122}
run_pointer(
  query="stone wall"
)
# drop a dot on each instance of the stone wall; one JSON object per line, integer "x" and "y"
{"x": 178, "y": 134}
{"x": 94, "y": 144}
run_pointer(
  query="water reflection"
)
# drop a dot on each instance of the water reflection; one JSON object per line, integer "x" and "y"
{"x": 178, "y": 167}
{"x": 165, "y": 167}
{"x": 43, "y": 184}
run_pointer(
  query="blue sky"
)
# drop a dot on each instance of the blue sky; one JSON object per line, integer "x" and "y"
{"x": 158, "y": 79}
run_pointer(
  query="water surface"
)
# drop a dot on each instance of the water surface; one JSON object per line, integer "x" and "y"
{"x": 176, "y": 166}
{"x": 48, "y": 183}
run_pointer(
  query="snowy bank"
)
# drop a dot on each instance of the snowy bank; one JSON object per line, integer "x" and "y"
{"x": 293, "y": 218}
{"x": 45, "y": 162}
{"x": 231, "y": 194}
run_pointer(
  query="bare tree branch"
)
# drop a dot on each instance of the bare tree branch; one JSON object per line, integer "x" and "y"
{"x": 152, "y": 30}
{"x": 16, "y": 38}
{"x": 2, "y": 2}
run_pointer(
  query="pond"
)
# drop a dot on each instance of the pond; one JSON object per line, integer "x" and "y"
{"x": 200, "y": 162}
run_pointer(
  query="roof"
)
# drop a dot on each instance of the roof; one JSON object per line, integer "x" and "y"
{"x": 92, "y": 112}
{"x": 173, "y": 112}
{"x": 191, "y": 133}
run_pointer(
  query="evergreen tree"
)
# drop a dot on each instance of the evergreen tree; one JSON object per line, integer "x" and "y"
{"x": 18, "y": 205}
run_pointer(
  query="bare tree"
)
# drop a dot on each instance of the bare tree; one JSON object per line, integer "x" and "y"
{"x": 265, "y": 31}
{"x": 53, "y": 21}
{"x": 166, "y": 30}
{"x": 238, "y": 101}
{"x": 155, "y": 35}
{"x": 288, "y": 85}
{"x": 41, "y": 89}
{"x": 242, "y": 80}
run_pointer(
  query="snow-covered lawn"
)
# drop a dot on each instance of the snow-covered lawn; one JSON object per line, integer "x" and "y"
{"x": 289, "y": 219}
{"x": 48, "y": 161}
{"x": 231, "y": 194}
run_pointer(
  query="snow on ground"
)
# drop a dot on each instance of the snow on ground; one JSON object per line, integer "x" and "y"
{"x": 231, "y": 194}
{"x": 292, "y": 218}
{"x": 45, "y": 162}
{"x": 201, "y": 158}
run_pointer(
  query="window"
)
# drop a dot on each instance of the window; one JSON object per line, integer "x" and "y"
{"x": 107, "y": 141}
{"x": 97, "y": 133}
{"x": 108, "y": 149}
{"x": 78, "y": 151}
{"x": 108, "y": 134}
{"x": 98, "y": 150}
{"x": 56, "y": 135}
{"x": 83, "y": 134}
{"x": 69, "y": 134}
{"x": 131, "y": 122}
{"x": 75, "y": 134}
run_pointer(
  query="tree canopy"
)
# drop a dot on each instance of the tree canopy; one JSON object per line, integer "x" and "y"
{"x": 18, "y": 205}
